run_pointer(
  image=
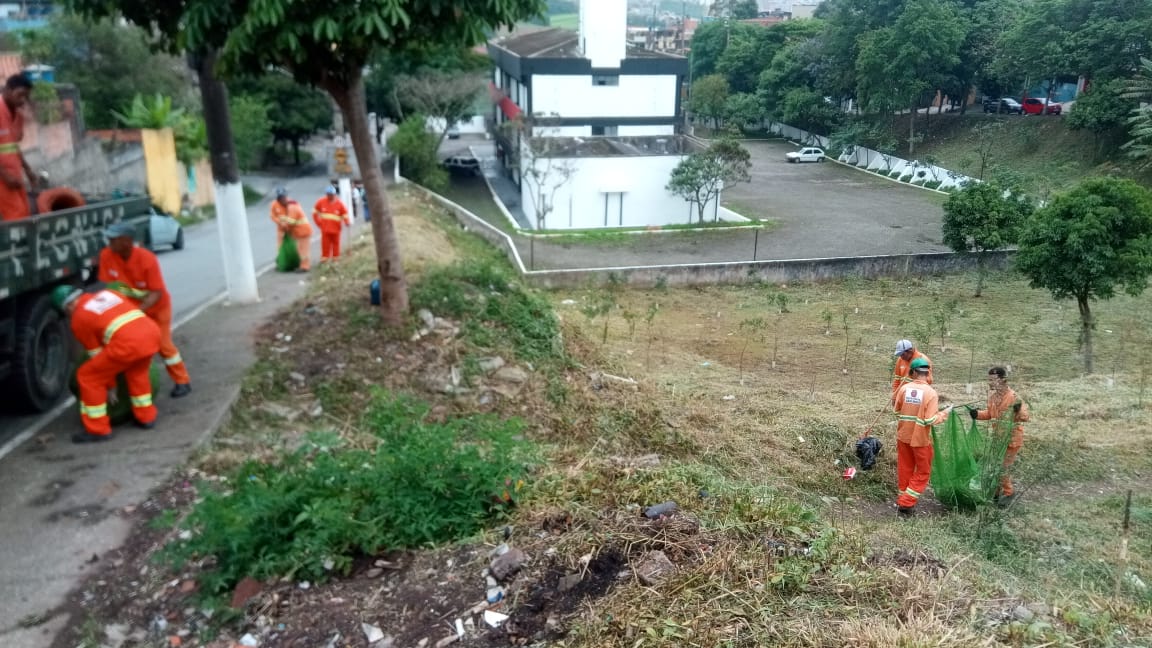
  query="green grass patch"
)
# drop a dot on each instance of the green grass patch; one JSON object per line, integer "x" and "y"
{"x": 494, "y": 310}
{"x": 565, "y": 21}
{"x": 306, "y": 516}
{"x": 252, "y": 196}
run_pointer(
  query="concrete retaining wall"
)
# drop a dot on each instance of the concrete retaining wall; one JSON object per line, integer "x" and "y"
{"x": 736, "y": 272}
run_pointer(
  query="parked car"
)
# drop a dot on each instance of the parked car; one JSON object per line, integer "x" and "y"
{"x": 1033, "y": 106}
{"x": 1004, "y": 106}
{"x": 166, "y": 230}
{"x": 453, "y": 133}
{"x": 806, "y": 154}
{"x": 462, "y": 165}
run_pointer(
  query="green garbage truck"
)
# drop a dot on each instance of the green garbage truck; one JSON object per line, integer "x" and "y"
{"x": 36, "y": 255}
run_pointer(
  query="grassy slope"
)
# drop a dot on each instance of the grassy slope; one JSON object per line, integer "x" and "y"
{"x": 1042, "y": 152}
{"x": 748, "y": 420}
{"x": 565, "y": 21}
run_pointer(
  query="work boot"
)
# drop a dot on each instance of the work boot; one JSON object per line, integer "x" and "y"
{"x": 904, "y": 512}
{"x": 85, "y": 437}
{"x": 1004, "y": 501}
{"x": 181, "y": 390}
{"x": 144, "y": 426}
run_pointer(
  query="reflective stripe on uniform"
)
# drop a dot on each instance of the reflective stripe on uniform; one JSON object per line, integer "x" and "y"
{"x": 915, "y": 419}
{"x": 174, "y": 360}
{"x": 94, "y": 411}
{"x": 92, "y": 353}
{"x": 142, "y": 401}
{"x": 328, "y": 216}
{"x": 9, "y": 148}
{"x": 119, "y": 322}
{"x": 911, "y": 493}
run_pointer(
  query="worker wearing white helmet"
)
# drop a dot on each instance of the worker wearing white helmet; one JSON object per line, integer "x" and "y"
{"x": 906, "y": 352}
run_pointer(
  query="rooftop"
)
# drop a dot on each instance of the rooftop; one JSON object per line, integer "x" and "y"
{"x": 568, "y": 147}
{"x": 559, "y": 43}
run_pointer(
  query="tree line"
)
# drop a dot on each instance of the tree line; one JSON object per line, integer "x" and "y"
{"x": 880, "y": 57}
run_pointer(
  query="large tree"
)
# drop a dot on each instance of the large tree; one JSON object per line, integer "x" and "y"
{"x": 701, "y": 176}
{"x": 295, "y": 111}
{"x": 981, "y": 217}
{"x": 449, "y": 97}
{"x": 1088, "y": 244}
{"x": 104, "y": 60}
{"x": 709, "y": 97}
{"x": 328, "y": 45}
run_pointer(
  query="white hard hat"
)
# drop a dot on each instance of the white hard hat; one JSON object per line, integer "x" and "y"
{"x": 902, "y": 346}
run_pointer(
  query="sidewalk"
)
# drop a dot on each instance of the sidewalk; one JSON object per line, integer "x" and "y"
{"x": 62, "y": 505}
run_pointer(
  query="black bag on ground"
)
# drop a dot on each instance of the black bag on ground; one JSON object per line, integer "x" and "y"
{"x": 867, "y": 449}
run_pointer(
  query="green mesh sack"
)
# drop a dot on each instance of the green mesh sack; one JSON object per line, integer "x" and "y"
{"x": 967, "y": 462}
{"x": 288, "y": 259}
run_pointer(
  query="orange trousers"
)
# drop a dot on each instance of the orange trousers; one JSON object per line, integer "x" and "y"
{"x": 173, "y": 363}
{"x": 130, "y": 353}
{"x": 913, "y": 468}
{"x": 303, "y": 247}
{"x": 1006, "y": 488}
{"x": 330, "y": 245}
{"x": 14, "y": 202}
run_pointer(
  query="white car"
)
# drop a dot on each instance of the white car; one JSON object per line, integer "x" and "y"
{"x": 166, "y": 231}
{"x": 806, "y": 154}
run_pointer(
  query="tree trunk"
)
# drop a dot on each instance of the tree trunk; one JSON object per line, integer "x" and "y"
{"x": 912, "y": 130}
{"x": 231, "y": 212}
{"x": 980, "y": 272}
{"x": 296, "y": 150}
{"x": 1086, "y": 326}
{"x": 393, "y": 284}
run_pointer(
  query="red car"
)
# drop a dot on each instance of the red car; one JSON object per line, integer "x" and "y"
{"x": 1041, "y": 107}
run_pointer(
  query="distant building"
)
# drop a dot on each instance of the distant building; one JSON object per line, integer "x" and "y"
{"x": 28, "y": 14}
{"x": 593, "y": 119}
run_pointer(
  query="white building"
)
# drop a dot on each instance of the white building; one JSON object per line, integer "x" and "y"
{"x": 605, "y": 119}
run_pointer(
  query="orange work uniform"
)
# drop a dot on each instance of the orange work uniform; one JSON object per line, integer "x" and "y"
{"x": 13, "y": 202}
{"x": 140, "y": 274}
{"x": 917, "y": 410}
{"x": 331, "y": 216}
{"x": 998, "y": 404}
{"x": 902, "y": 372}
{"x": 120, "y": 339}
{"x": 290, "y": 220}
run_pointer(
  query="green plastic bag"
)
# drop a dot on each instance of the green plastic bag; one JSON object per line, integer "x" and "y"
{"x": 288, "y": 259}
{"x": 967, "y": 462}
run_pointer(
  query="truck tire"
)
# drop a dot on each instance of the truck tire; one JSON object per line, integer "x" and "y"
{"x": 40, "y": 362}
{"x": 59, "y": 198}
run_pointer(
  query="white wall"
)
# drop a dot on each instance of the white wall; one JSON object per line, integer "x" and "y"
{"x": 579, "y": 199}
{"x": 604, "y": 31}
{"x": 473, "y": 126}
{"x": 642, "y": 131}
{"x": 586, "y": 131}
{"x": 575, "y": 96}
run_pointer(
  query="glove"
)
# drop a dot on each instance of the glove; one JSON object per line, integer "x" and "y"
{"x": 1016, "y": 408}
{"x": 973, "y": 413}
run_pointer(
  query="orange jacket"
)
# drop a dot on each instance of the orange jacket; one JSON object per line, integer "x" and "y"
{"x": 140, "y": 274}
{"x": 330, "y": 214}
{"x": 108, "y": 322}
{"x": 291, "y": 219}
{"x": 998, "y": 404}
{"x": 901, "y": 373}
{"x": 13, "y": 202}
{"x": 917, "y": 410}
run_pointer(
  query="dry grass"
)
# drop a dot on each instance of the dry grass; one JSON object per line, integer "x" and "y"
{"x": 751, "y": 414}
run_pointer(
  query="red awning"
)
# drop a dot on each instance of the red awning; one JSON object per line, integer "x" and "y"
{"x": 507, "y": 106}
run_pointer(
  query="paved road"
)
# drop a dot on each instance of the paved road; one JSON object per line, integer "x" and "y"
{"x": 195, "y": 275}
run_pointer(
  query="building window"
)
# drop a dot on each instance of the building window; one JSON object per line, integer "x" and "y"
{"x": 605, "y": 131}
{"x": 606, "y": 79}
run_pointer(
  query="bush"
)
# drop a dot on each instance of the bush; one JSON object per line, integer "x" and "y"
{"x": 932, "y": 184}
{"x": 894, "y": 174}
{"x": 492, "y": 309}
{"x": 311, "y": 513}
{"x": 417, "y": 150}
{"x": 906, "y": 177}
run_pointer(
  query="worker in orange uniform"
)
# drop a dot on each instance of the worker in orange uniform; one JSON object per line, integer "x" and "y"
{"x": 331, "y": 217}
{"x": 120, "y": 339}
{"x": 917, "y": 410}
{"x": 1001, "y": 398}
{"x": 902, "y": 373}
{"x": 135, "y": 272}
{"x": 15, "y": 174}
{"x": 291, "y": 221}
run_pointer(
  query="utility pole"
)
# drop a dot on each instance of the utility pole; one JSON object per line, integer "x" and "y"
{"x": 231, "y": 213}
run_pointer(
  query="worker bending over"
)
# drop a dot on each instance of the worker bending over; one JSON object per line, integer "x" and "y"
{"x": 119, "y": 339}
{"x": 135, "y": 272}
{"x": 291, "y": 221}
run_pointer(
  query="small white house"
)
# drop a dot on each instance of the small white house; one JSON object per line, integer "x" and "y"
{"x": 598, "y": 118}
